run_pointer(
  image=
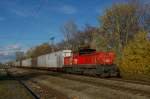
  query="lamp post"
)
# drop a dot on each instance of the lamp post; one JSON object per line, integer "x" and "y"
{"x": 52, "y": 42}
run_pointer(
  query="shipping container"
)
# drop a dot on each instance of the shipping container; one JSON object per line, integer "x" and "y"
{"x": 53, "y": 60}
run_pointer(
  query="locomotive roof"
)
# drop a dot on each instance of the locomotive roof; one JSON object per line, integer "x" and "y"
{"x": 87, "y": 50}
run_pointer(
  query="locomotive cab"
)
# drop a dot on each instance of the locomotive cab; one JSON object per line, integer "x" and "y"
{"x": 82, "y": 56}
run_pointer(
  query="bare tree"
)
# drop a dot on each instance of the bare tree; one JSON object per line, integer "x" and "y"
{"x": 69, "y": 29}
{"x": 122, "y": 21}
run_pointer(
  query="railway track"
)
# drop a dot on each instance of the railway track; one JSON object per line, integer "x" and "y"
{"x": 111, "y": 78}
{"x": 36, "y": 96}
{"x": 116, "y": 84}
{"x": 21, "y": 82}
{"x": 131, "y": 81}
{"x": 129, "y": 86}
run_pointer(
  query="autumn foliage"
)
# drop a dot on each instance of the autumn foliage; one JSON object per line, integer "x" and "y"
{"x": 136, "y": 56}
{"x": 124, "y": 26}
{"x": 39, "y": 50}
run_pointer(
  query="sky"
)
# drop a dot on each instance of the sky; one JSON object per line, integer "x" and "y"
{"x": 27, "y": 23}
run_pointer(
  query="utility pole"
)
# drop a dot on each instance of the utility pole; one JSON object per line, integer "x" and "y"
{"x": 52, "y": 38}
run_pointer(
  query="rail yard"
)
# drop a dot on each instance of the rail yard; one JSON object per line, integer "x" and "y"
{"x": 43, "y": 84}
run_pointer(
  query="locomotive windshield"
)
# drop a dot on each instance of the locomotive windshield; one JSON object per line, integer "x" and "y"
{"x": 86, "y": 51}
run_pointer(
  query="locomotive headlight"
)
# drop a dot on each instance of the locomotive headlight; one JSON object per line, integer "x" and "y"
{"x": 107, "y": 60}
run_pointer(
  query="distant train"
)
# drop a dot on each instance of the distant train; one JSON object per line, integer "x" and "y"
{"x": 85, "y": 61}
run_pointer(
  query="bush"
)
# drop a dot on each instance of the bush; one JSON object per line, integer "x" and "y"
{"x": 136, "y": 56}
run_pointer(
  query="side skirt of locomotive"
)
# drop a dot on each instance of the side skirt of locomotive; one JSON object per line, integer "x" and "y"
{"x": 93, "y": 70}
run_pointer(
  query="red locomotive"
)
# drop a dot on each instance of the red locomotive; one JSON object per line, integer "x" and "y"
{"x": 90, "y": 62}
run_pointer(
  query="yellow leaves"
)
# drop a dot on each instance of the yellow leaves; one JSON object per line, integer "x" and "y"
{"x": 39, "y": 50}
{"x": 42, "y": 49}
{"x": 121, "y": 23}
{"x": 136, "y": 55}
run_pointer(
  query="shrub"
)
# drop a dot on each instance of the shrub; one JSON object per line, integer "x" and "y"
{"x": 136, "y": 56}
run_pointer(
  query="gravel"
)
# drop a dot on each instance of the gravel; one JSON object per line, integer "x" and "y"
{"x": 61, "y": 86}
{"x": 11, "y": 89}
{"x": 84, "y": 90}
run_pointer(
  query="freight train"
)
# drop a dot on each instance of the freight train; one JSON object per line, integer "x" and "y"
{"x": 85, "y": 61}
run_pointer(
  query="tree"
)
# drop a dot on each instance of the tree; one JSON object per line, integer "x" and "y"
{"x": 136, "y": 55}
{"x": 60, "y": 45}
{"x": 100, "y": 41}
{"x": 42, "y": 49}
{"x": 29, "y": 53}
{"x": 39, "y": 50}
{"x": 122, "y": 21}
{"x": 85, "y": 37}
{"x": 143, "y": 11}
{"x": 69, "y": 29}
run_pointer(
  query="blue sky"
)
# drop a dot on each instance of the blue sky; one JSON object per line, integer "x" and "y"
{"x": 26, "y": 23}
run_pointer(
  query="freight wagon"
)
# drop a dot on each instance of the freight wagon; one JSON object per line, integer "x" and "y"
{"x": 53, "y": 61}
